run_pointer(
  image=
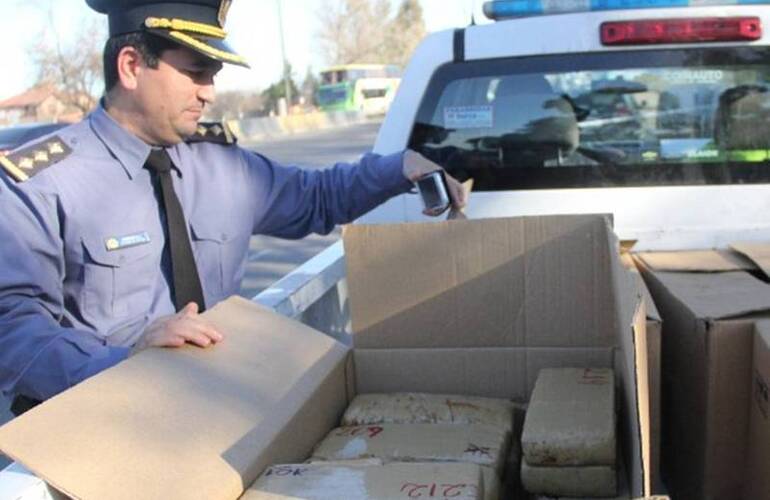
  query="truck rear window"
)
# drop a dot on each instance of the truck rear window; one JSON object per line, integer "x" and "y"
{"x": 646, "y": 118}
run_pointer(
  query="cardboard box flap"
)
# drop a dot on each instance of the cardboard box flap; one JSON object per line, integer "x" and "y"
{"x": 758, "y": 460}
{"x": 649, "y": 304}
{"x": 627, "y": 245}
{"x": 718, "y": 296}
{"x": 705, "y": 261}
{"x": 425, "y": 297}
{"x": 178, "y": 423}
{"x": 631, "y": 360}
{"x": 507, "y": 282}
{"x": 762, "y": 329}
{"x": 758, "y": 253}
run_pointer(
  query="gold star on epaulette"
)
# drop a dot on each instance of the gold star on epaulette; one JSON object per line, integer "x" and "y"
{"x": 55, "y": 148}
{"x": 26, "y": 163}
{"x": 31, "y": 160}
{"x": 218, "y": 133}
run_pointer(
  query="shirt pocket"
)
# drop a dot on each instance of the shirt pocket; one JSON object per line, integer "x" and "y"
{"x": 118, "y": 283}
{"x": 220, "y": 254}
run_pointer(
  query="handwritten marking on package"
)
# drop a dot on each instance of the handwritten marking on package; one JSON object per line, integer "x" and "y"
{"x": 593, "y": 377}
{"x": 433, "y": 490}
{"x": 369, "y": 430}
{"x": 285, "y": 470}
{"x": 460, "y": 117}
{"x": 479, "y": 450}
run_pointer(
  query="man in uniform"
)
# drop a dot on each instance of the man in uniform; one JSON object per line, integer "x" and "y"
{"x": 117, "y": 232}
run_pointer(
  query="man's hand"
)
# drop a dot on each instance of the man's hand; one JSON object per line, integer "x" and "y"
{"x": 178, "y": 329}
{"x": 416, "y": 165}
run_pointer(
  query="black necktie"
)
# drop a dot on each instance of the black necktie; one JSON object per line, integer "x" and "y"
{"x": 187, "y": 283}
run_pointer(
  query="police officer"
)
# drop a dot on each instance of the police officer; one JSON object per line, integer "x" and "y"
{"x": 118, "y": 231}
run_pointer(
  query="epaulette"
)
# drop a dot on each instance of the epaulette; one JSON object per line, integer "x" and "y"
{"x": 31, "y": 160}
{"x": 216, "y": 132}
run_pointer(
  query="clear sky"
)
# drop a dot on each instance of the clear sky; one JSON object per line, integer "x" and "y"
{"x": 252, "y": 27}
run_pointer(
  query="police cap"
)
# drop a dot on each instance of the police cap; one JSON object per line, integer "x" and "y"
{"x": 197, "y": 24}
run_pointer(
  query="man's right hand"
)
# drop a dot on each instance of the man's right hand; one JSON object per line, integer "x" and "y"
{"x": 416, "y": 166}
{"x": 179, "y": 329}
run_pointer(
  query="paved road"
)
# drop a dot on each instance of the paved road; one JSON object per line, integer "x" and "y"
{"x": 271, "y": 258}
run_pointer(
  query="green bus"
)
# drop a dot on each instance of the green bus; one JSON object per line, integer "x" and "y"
{"x": 368, "y": 88}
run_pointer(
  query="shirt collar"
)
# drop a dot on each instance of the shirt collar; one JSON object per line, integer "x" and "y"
{"x": 129, "y": 150}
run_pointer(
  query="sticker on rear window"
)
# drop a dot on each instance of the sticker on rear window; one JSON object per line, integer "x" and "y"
{"x": 458, "y": 117}
{"x": 695, "y": 76}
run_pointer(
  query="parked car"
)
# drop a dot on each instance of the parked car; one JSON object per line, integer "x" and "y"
{"x": 13, "y": 137}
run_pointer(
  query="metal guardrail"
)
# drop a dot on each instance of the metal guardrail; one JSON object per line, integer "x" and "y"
{"x": 315, "y": 293}
{"x": 293, "y": 294}
{"x": 267, "y": 127}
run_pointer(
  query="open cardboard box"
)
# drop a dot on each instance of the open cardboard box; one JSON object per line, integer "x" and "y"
{"x": 654, "y": 330}
{"x": 463, "y": 307}
{"x": 758, "y": 481}
{"x": 709, "y": 301}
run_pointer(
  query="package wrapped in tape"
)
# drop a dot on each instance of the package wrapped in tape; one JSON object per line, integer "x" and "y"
{"x": 621, "y": 494}
{"x": 480, "y": 444}
{"x": 353, "y": 462}
{"x": 571, "y": 419}
{"x": 587, "y": 481}
{"x": 395, "y": 481}
{"x": 484, "y": 445}
{"x": 420, "y": 408}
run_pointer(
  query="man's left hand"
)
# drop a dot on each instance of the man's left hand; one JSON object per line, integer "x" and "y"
{"x": 416, "y": 166}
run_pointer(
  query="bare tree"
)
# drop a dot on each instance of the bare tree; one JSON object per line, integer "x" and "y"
{"x": 354, "y": 31}
{"x": 74, "y": 69}
{"x": 405, "y": 32}
{"x": 361, "y": 31}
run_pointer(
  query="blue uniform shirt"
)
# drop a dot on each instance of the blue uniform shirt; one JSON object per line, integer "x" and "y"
{"x": 82, "y": 272}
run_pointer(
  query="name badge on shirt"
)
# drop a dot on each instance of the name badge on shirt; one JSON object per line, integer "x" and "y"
{"x": 131, "y": 240}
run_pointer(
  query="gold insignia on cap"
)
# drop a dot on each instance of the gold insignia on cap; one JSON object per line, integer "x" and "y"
{"x": 207, "y": 49}
{"x": 185, "y": 26}
{"x": 26, "y": 163}
{"x": 224, "y": 7}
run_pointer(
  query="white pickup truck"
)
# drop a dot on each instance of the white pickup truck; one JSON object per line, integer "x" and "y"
{"x": 654, "y": 111}
{"x": 656, "y": 115}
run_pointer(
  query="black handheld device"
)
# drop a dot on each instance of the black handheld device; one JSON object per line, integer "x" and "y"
{"x": 433, "y": 191}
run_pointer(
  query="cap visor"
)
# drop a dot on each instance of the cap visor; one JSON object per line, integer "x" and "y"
{"x": 213, "y": 48}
